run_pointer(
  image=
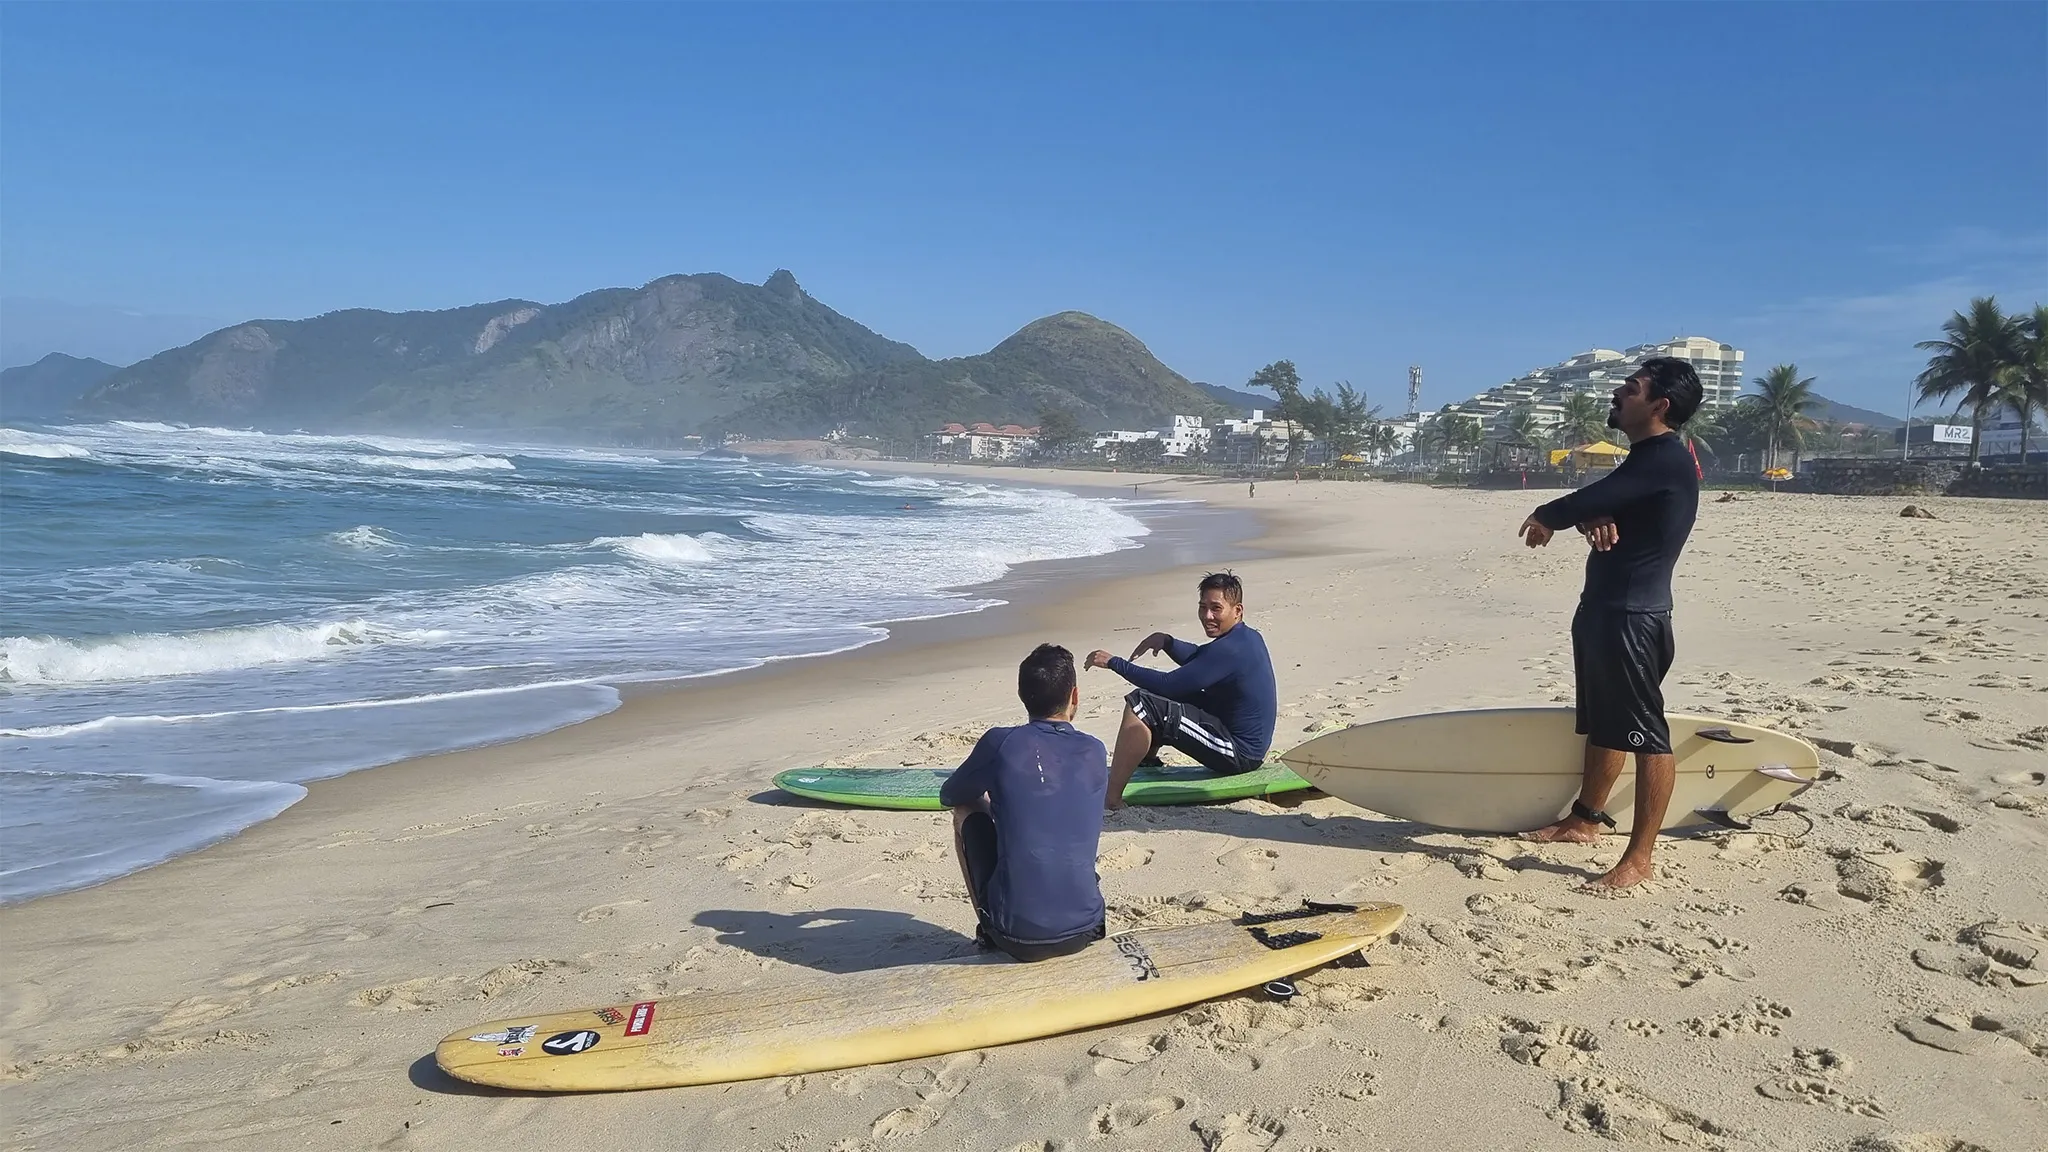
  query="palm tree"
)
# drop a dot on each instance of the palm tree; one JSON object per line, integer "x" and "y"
{"x": 1585, "y": 419}
{"x": 1974, "y": 359}
{"x": 1781, "y": 401}
{"x": 1466, "y": 434}
{"x": 1385, "y": 441}
{"x": 1516, "y": 432}
{"x": 2025, "y": 384}
{"x": 1701, "y": 431}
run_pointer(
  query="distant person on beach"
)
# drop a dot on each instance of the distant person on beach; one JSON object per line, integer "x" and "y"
{"x": 1219, "y": 706}
{"x": 1027, "y": 818}
{"x": 1637, "y": 519}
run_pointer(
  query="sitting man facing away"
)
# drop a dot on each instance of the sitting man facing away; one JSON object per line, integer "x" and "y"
{"x": 1027, "y": 817}
{"x": 1219, "y": 706}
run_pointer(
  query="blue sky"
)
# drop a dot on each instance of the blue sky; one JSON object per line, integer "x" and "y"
{"x": 1475, "y": 188}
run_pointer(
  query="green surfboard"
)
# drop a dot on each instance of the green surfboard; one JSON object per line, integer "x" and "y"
{"x": 917, "y": 789}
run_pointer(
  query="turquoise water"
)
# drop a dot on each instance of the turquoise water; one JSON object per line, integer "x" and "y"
{"x": 195, "y": 622}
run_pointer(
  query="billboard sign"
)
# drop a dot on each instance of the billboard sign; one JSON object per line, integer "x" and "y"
{"x": 1951, "y": 433}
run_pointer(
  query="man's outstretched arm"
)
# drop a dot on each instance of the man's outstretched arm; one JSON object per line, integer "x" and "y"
{"x": 1602, "y": 498}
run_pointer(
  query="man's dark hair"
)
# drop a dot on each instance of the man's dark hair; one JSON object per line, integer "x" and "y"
{"x": 1674, "y": 380}
{"x": 1231, "y": 587}
{"x": 1045, "y": 680}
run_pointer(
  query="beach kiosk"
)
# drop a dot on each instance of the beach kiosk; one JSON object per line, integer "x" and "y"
{"x": 1598, "y": 454}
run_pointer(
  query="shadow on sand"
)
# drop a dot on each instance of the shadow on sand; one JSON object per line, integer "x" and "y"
{"x": 837, "y": 939}
{"x": 1362, "y": 832}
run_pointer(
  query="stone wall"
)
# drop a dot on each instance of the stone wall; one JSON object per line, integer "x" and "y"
{"x": 2012, "y": 481}
{"x": 1868, "y": 477}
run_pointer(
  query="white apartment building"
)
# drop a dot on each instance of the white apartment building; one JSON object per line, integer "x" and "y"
{"x": 1176, "y": 439}
{"x": 1598, "y": 371}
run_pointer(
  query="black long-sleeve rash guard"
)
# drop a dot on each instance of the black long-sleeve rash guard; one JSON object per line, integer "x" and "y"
{"x": 1653, "y": 497}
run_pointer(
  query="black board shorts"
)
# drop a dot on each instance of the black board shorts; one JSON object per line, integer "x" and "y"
{"x": 1620, "y": 659}
{"x": 979, "y": 840}
{"x": 1188, "y": 728}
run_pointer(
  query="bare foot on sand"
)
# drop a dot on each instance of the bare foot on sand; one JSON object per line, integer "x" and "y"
{"x": 1626, "y": 874}
{"x": 1570, "y": 830}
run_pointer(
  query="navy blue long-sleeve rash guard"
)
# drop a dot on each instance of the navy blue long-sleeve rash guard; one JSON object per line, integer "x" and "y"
{"x": 1653, "y": 496}
{"x": 1230, "y": 678}
{"x": 1045, "y": 783}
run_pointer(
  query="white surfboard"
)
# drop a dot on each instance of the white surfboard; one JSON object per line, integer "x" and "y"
{"x": 1514, "y": 769}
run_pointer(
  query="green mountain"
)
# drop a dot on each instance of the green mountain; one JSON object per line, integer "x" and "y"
{"x": 682, "y": 355}
{"x": 1094, "y": 370}
{"x": 44, "y": 389}
{"x": 637, "y": 365}
{"x": 1835, "y": 412}
{"x": 1241, "y": 403}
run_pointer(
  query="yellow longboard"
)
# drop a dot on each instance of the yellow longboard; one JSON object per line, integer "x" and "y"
{"x": 904, "y": 1013}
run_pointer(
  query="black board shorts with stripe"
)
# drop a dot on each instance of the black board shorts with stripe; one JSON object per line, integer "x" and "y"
{"x": 1620, "y": 659}
{"x": 1188, "y": 728}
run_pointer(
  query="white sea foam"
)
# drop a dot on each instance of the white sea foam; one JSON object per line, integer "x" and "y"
{"x": 60, "y": 731}
{"x": 148, "y": 656}
{"x": 440, "y": 463}
{"x": 365, "y": 538}
{"x": 16, "y": 442}
{"x": 655, "y": 548}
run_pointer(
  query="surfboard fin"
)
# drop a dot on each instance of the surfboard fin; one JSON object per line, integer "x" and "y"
{"x": 1721, "y": 817}
{"x": 1780, "y": 772}
{"x": 1723, "y": 736}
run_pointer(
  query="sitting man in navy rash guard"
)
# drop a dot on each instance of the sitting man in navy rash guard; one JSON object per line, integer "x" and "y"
{"x": 1027, "y": 819}
{"x": 1219, "y": 706}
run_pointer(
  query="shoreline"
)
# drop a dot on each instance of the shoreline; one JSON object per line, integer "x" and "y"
{"x": 1795, "y": 987}
{"x": 1018, "y": 589}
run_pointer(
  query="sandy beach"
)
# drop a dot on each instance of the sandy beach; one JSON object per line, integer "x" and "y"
{"x": 1867, "y": 969}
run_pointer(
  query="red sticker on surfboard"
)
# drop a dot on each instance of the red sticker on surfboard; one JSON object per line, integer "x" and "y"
{"x": 642, "y": 1019}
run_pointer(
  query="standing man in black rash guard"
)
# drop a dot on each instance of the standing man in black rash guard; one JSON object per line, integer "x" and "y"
{"x": 1637, "y": 519}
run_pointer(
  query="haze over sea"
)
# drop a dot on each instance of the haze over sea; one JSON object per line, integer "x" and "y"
{"x": 197, "y": 621}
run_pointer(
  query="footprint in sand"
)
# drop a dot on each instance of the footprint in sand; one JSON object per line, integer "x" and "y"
{"x": 1117, "y": 1057}
{"x": 1620, "y": 1111}
{"x": 1913, "y": 1142}
{"x": 902, "y": 1122}
{"x": 1903, "y": 819}
{"x": 1252, "y": 857}
{"x": 1124, "y": 859}
{"x": 1126, "y": 1115}
{"x": 1810, "y": 1077}
{"x": 1547, "y": 1044}
{"x": 1887, "y": 876}
{"x": 598, "y": 912}
{"x": 1996, "y": 953}
{"x": 1240, "y": 1132}
{"x": 1759, "y": 1018}
{"x": 1978, "y": 1034}
{"x": 746, "y": 858}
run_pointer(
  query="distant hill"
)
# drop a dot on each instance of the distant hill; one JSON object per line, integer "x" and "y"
{"x": 1095, "y": 370}
{"x": 44, "y": 389}
{"x": 1834, "y": 413}
{"x": 681, "y": 355}
{"x": 1240, "y": 403}
{"x": 635, "y": 364}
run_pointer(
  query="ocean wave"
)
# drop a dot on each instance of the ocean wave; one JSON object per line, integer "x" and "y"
{"x": 15, "y": 442}
{"x": 655, "y": 548}
{"x": 46, "y": 660}
{"x": 146, "y": 426}
{"x": 365, "y": 538}
{"x": 441, "y": 463}
{"x": 59, "y": 731}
